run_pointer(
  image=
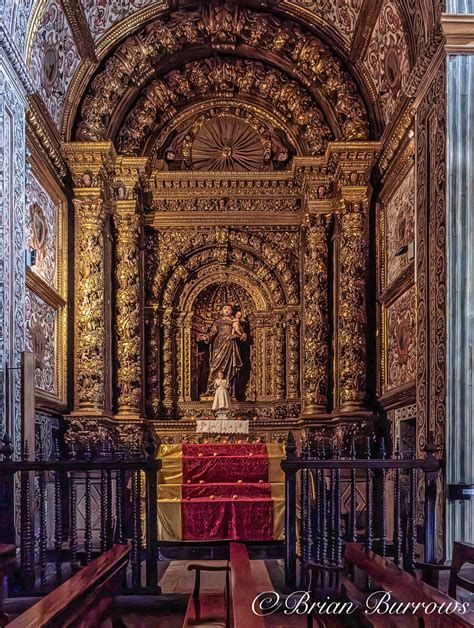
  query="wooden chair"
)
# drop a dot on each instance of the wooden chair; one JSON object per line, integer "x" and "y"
{"x": 234, "y": 608}
{"x": 211, "y": 607}
{"x": 462, "y": 553}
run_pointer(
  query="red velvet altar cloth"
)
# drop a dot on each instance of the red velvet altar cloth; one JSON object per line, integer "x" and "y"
{"x": 237, "y": 519}
{"x": 225, "y": 492}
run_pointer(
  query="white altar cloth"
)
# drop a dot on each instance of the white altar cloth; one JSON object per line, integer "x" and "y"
{"x": 225, "y": 426}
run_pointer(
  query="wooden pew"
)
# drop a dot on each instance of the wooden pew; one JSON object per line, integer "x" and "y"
{"x": 85, "y": 600}
{"x": 403, "y": 587}
{"x": 7, "y": 565}
{"x": 234, "y": 606}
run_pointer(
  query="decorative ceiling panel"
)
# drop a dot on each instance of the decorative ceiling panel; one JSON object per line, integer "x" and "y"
{"x": 102, "y": 14}
{"x": 54, "y": 59}
{"x": 342, "y": 14}
{"x": 387, "y": 59}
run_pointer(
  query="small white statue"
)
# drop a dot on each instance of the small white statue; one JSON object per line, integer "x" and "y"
{"x": 221, "y": 402}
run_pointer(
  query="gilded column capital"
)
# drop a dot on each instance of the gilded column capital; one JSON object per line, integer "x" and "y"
{"x": 90, "y": 163}
{"x": 128, "y": 173}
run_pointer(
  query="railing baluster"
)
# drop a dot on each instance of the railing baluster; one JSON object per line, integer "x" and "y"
{"x": 353, "y": 514}
{"x": 331, "y": 518}
{"x": 109, "y": 510}
{"x": 42, "y": 521}
{"x": 120, "y": 480}
{"x": 383, "y": 513}
{"x": 27, "y": 549}
{"x": 135, "y": 532}
{"x": 337, "y": 509}
{"x": 412, "y": 523}
{"x": 73, "y": 547}
{"x": 58, "y": 525}
{"x": 103, "y": 511}
{"x": 397, "y": 512}
{"x": 369, "y": 503}
{"x": 88, "y": 509}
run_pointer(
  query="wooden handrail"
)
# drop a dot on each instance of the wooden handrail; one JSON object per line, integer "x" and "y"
{"x": 404, "y": 587}
{"x": 67, "y": 600}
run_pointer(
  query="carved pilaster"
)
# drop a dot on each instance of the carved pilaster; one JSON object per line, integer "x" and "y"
{"x": 316, "y": 322}
{"x": 89, "y": 301}
{"x": 152, "y": 351}
{"x": 352, "y": 303}
{"x": 127, "y": 327}
{"x": 167, "y": 353}
{"x": 279, "y": 356}
{"x": 292, "y": 356}
{"x": 90, "y": 164}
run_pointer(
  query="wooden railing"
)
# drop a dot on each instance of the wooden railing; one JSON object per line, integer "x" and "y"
{"x": 374, "y": 500}
{"x": 70, "y": 511}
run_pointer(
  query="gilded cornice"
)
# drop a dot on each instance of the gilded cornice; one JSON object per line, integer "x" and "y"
{"x": 41, "y": 126}
{"x": 74, "y": 12}
{"x": 159, "y": 220}
{"x": 169, "y": 185}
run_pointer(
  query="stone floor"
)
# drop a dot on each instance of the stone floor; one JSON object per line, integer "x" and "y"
{"x": 177, "y": 583}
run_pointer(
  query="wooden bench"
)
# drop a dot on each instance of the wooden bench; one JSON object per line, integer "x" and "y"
{"x": 234, "y": 606}
{"x": 85, "y": 600}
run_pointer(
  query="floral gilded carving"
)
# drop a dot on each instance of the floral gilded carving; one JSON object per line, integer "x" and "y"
{"x": 352, "y": 305}
{"x": 216, "y": 25}
{"x": 401, "y": 340}
{"x": 400, "y": 225}
{"x": 316, "y": 315}
{"x": 128, "y": 313}
{"x": 89, "y": 327}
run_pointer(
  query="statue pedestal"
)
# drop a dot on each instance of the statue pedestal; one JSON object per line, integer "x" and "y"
{"x": 221, "y": 426}
{"x": 222, "y": 415}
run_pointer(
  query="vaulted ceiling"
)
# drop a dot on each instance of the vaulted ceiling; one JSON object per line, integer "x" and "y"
{"x": 349, "y": 83}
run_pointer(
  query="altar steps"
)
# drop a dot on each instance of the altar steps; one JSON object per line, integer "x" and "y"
{"x": 212, "y": 493}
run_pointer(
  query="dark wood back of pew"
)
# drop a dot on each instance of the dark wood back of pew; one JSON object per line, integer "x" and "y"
{"x": 243, "y": 588}
{"x": 462, "y": 553}
{"x": 403, "y": 587}
{"x": 7, "y": 558}
{"x": 84, "y": 600}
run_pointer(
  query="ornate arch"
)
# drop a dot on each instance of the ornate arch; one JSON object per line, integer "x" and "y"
{"x": 255, "y": 273}
{"x": 264, "y": 260}
{"x": 223, "y": 28}
{"x": 261, "y": 299}
{"x": 246, "y": 81}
